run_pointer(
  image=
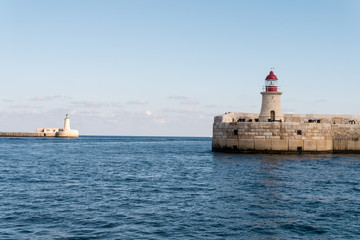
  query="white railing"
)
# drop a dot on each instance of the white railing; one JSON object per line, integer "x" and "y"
{"x": 264, "y": 88}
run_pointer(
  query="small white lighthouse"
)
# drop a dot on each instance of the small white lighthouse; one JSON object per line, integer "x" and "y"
{"x": 271, "y": 101}
{"x": 67, "y": 123}
{"x": 65, "y": 132}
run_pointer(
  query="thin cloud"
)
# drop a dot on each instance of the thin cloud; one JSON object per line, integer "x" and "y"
{"x": 190, "y": 102}
{"x": 89, "y": 103}
{"x": 112, "y": 121}
{"x": 177, "y": 110}
{"x": 46, "y": 98}
{"x": 159, "y": 120}
{"x": 21, "y": 106}
{"x": 211, "y": 105}
{"x": 115, "y": 104}
{"x": 177, "y": 97}
{"x": 138, "y": 102}
{"x": 88, "y": 112}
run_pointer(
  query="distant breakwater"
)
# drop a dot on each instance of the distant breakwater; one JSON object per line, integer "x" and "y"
{"x": 23, "y": 134}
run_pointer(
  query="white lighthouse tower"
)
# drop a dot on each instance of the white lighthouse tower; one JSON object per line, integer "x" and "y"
{"x": 67, "y": 123}
{"x": 271, "y": 101}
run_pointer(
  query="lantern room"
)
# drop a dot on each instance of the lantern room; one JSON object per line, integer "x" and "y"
{"x": 271, "y": 84}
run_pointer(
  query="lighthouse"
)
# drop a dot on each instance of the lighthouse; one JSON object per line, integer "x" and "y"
{"x": 67, "y": 123}
{"x": 271, "y": 101}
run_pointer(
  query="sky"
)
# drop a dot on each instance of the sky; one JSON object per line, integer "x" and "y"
{"x": 166, "y": 68}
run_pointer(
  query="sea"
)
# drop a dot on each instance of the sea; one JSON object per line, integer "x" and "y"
{"x": 101, "y": 187}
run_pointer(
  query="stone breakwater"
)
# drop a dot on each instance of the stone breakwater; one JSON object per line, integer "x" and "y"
{"x": 242, "y": 132}
{"x": 37, "y": 134}
{"x": 65, "y": 132}
{"x": 20, "y": 134}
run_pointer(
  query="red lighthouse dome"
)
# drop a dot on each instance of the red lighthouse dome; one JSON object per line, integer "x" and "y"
{"x": 271, "y": 76}
{"x": 271, "y": 82}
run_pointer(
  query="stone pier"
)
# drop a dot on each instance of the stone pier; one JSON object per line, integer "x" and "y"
{"x": 243, "y": 132}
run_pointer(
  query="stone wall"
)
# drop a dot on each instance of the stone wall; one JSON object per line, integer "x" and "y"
{"x": 21, "y": 134}
{"x": 62, "y": 134}
{"x": 298, "y": 133}
{"x": 48, "y": 130}
{"x": 68, "y": 134}
{"x": 235, "y": 116}
{"x": 346, "y": 137}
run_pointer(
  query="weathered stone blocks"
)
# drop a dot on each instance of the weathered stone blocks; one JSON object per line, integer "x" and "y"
{"x": 262, "y": 145}
{"x": 246, "y": 145}
{"x": 289, "y": 136}
{"x": 324, "y": 145}
{"x": 279, "y": 145}
{"x": 294, "y": 144}
{"x": 309, "y": 145}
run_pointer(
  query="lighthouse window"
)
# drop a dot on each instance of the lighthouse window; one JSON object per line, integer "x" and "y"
{"x": 236, "y": 132}
{"x": 299, "y": 132}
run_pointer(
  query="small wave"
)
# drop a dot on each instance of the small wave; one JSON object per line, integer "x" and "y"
{"x": 303, "y": 229}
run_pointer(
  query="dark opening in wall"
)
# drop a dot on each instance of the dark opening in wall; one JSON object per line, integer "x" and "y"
{"x": 241, "y": 120}
{"x": 236, "y": 132}
{"x": 310, "y": 121}
{"x": 269, "y": 120}
{"x": 250, "y": 120}
{"x": 256, "y": 120}
{"x": 299, "y": 149}
{"x": 299, "y": 132}
{"x": 318, "y": 121}
{"x": 272, "y": 115}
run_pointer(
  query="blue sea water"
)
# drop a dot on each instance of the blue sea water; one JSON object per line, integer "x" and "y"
{"x": 172, "y": 188}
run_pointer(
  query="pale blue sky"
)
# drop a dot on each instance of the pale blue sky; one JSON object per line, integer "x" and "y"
{"x": 167, "y": 67}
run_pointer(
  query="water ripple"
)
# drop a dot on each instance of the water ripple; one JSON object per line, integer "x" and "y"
{"x": 171, "y": 188}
